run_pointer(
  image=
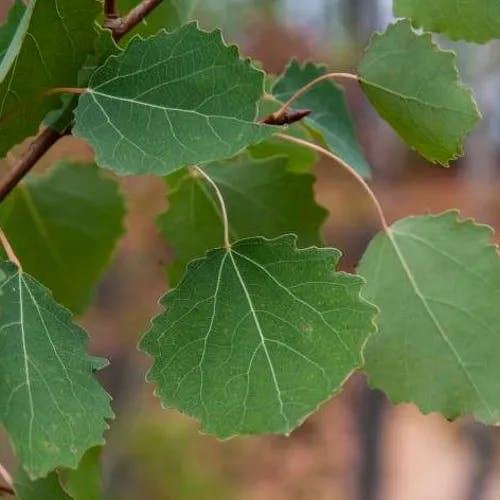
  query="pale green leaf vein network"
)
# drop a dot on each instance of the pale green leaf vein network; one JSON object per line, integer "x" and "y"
{"x": 26, "y": 366}
{"x": 210, "y": 326}
{"x": 235, "y": 344}
{"x": 62, "y": 403}
{"x": 147, "y": 112}
{"x": 295, "y": 298}
{"x": 262, "y": 338}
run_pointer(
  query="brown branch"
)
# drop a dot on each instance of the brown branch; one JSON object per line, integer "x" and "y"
{"x": 110, "y": 11}
{"x": 7, "y": 490}
{"x": 36, "y": 150}
{"x": 4, "y": 474}
{"x": 123, "y": 25}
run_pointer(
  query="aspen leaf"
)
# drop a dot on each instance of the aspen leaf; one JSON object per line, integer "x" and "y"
{"x": 473, "y": 20}
{"x": 64, "y": 226}
{"x": 436, "y": 281}
{"x": 50, "y": 45}
{"x": 255, "y": 337}
{"x": 414, "y": 86}
{"x": 51, "y": 404}
{"x": 172, "y": 100}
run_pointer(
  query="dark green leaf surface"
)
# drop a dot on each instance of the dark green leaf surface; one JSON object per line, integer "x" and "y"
{"x": 300, "y": 159}
{"x": 104, "y": 46}
{"x": 84, "y": 483}
{"x": 51, "y": 405}
{"x": 47, "y": 488}
{"x": 436, "y": 281}
{"x": 256, "y": 337}
{"x": 170, "y": 101}
{"x": 472, "y": 20}
{"x": 64, "y": 227}
{"x": 8, "y": 29}
{"x": 169, "y": 14}
{"x": 415, "y": 87}
{"x": 262, "y": 198}
{"x": 329, "y": 116}
{"x": 51, "y": 44}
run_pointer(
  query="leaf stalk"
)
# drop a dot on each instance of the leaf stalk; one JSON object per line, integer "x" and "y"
{"x": 222, "y": 203}
{"x": 348, "y": 168}
{"x": 328, "y": 76}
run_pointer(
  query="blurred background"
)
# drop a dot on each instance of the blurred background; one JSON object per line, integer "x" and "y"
{"x": 358, "y": 446}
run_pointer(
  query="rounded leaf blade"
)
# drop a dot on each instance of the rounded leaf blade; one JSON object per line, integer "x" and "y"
{"x": 255, "y": 337}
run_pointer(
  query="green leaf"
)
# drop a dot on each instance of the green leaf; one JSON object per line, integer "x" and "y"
{"x": 169, "y": 14}
{"x": 51, "y": 44}
{"x": 64, "y": 227}
{"x": 300, "y": 159}
{"x": 330, "y": 117}
{"x": 415, "y": 87}
{"x": 47, "y": 488}
{"x": 474, "y": 21}
{"x": 256, "y": 337}
{"x": 104, "y": 46}
{"x": 8, "y": 29}
{"x": 51, "y": 405}
{"x": 262, "y": 197}
{"x": 84, "y": 483}
{"x": 436, "y": 281}
{"x": 170, "y": 101}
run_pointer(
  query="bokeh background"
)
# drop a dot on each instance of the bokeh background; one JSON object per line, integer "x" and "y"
{"x": 358, "y": 446}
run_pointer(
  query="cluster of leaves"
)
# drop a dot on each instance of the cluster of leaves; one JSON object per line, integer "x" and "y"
{"x": 262, "y": 329}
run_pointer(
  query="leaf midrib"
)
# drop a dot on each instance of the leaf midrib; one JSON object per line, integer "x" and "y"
{"x": 405, "y": 97}
{"x": 166, "y": 109}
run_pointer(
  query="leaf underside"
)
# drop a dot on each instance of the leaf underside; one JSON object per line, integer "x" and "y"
{"x": 51, "y": 405}
{"x": 471, "y": 20}
{"x": 172, "y": 100}
{"x": 414, "y": 86}
{"x": 256, "y": 337}
{"x": 436, "y": 281}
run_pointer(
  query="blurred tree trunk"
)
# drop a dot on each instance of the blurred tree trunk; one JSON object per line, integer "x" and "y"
{"x": 361, "y": 18}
